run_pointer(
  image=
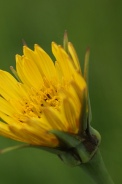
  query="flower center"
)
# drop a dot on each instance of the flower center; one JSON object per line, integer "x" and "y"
{"x": 46, "y": 96}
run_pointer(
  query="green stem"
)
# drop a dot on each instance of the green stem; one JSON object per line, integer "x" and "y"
{"x": 97, "y": 170}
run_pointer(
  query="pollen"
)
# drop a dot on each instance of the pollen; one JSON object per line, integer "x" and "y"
{"x": 38, "y": 100}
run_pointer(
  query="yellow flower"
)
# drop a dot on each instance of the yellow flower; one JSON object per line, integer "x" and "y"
{"x": 48, "y": 96}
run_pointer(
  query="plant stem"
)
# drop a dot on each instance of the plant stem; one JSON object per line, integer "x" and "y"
{"x": 97, "y": 170}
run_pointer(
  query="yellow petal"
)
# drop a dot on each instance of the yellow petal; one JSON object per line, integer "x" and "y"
{"x": 5, "y": 107}
{"x": 32, "y": 73}
{"x": 45, "y": 63}
{"x": 56, "y": 121}
{"x": 5, "y": 131}
{"x": 63, "y": 61}
{"x": 8, "y": 86}
{"x": 74, "y": 56}
{"x": 70, "y": 114}
{"x": 20, "y": 71}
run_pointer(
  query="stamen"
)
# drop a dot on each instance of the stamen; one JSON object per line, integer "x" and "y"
{"x": 38, "y": 100}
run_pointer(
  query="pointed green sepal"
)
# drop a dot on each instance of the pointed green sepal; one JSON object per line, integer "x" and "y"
{"x": 65, "y": 42}
{"x": 12, "y": 148}
{"x": 89, "y": 146}
{"x": 85, "y": 153}
{"x": 86, "y": 65}
{"x": 77, "y": 149}
{"x": 70, "y": 158}
{"x": 56, "y": 150}
{"x": 89, "y": 110}
{"x": 86, "y": 77}
{"x": 69, "y": 140}
{"x": 83, "y": 115}
{"x": 96, "y": 135}
{"x": 15, "y": 73}
{"x": 24, "y": 42}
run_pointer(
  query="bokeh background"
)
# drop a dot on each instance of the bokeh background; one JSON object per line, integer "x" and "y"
{"x": 94, "y": 23}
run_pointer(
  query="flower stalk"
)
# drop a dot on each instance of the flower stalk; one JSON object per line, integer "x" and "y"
{"x": 96, "y": 169}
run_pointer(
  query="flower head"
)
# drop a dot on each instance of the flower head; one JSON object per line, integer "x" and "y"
{"x": 45, "y": 96}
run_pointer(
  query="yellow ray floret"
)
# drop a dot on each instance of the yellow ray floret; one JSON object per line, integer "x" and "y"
{"x": 49, "y": 96}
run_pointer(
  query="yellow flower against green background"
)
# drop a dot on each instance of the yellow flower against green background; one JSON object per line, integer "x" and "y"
{"x": 45, "y": 96}
{"x": 46, "y": 105}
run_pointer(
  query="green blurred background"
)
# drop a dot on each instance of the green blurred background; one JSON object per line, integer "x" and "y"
{"x": 94, "y": 23}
